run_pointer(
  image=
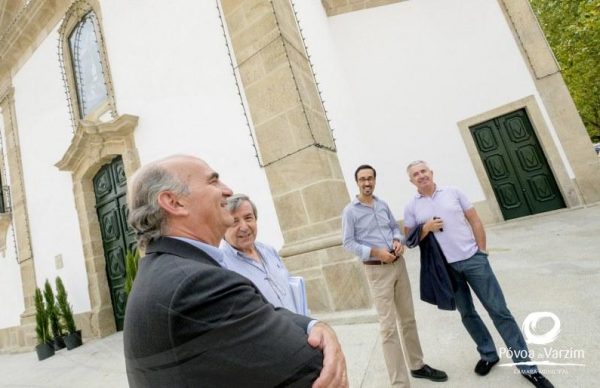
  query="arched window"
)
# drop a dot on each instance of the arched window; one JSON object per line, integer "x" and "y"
{"x": 87, "y": 66}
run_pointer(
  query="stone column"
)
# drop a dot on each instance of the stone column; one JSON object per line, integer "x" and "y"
{"x": 555, "y": 95}
{"x": 296, "y": 147}
{"x": 25, "y": 337}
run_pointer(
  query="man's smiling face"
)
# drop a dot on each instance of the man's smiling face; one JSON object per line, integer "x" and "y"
{"x": 365, "y": 179}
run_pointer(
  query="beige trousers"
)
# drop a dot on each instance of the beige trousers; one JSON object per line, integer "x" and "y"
{"x": 392, "y": 296}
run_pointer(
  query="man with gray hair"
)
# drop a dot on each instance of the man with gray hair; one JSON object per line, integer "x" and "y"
{"x": 447, "y": 213}
{"x": 189, "y": 322}
{"x": 257, "y": 261}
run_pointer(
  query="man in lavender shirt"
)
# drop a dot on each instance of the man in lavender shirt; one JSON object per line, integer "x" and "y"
{"x": 446, "y": 212}
{"x": 370, "y": 232}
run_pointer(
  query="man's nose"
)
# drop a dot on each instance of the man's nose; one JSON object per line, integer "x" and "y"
{"x": 227, "y": 192}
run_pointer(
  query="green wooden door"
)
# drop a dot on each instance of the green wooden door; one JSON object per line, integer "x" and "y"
{"x": 110, "y": 187}
{"x": 516, "y": 166}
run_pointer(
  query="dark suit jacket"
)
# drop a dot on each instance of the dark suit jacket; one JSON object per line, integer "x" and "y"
{"x": 191, "y": 323}
{"x": 436, "y": 285}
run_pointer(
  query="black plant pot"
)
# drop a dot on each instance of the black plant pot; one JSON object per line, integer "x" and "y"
{"x": 73, "y": 340}
{"x": 44, "y": 350}
{"x": 59, "y": 342}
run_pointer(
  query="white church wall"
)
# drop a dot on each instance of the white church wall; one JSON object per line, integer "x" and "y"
{"x": 397, "y": 79}
{"x": 45, "y": 131}
{"x": 170, "y": 67}
{"x": 11, "y": 289}
{"x": 11, "y": 303}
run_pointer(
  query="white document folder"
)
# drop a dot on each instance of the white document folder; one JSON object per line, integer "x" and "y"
{"x": 299, "y": 294}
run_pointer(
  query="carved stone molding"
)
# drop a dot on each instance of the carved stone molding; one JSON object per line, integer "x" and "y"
{"x": 32, "y": 22}
{"x": 91, "y": 139}
{"x": 5, "y": 222}
{"x": 92, "y": 146}
{"x": 337, "y": 7}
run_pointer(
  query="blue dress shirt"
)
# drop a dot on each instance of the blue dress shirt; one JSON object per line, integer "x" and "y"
{"x": 220, "y": 257}
{"x": 212, "y": 251}
{"x": 365, "y": 227}
{"x": 270, "y": 275}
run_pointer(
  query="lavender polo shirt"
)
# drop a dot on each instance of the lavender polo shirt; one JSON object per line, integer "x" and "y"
{"x": 457, "y": 240}
{"x": 365, "y": 227}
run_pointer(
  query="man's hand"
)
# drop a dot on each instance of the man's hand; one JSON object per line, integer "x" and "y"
{"x": 383, "y": 254}
{"x": 398, "y": 248}
{"x": 334, "y": 372}
{"x": 433, "y": 225}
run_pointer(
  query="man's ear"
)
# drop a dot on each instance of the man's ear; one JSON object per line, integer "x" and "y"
{"x": 170, "y": 203}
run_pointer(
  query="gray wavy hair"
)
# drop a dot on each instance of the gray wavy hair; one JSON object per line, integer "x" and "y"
{"x": 416, "y": 162}
{"x": 146, "y": 217}
{"x": 235, "y": 201}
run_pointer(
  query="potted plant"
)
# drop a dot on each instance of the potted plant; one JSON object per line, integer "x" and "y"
{"x": 131, "y": 265}
{"x": 73, "y": 338}
{"x": 45, "y": 347}
{"x": 53, "y": 318}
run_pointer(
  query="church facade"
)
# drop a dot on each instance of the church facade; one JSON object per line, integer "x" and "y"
{"x": 284, "y": 99}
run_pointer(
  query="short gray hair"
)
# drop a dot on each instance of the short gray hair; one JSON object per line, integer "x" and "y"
{"x": 146, "y": 216}
{"x": 235, "y": 201}
{"x": 416, "y": 162}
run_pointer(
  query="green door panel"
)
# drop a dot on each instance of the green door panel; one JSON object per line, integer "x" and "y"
{"x": 110, "y": 188}
{"x": 519, "y": 173}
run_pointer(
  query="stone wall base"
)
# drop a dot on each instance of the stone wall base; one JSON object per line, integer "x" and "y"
{"x": 21, "y": 339}
{"x": 335, "y": 280}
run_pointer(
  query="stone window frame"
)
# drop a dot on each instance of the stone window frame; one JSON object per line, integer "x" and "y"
{"x": 76, "y": 14}
{"x": 489, "y": 209}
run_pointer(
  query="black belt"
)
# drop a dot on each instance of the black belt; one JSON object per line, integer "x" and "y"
{"x": 377, "y": 262}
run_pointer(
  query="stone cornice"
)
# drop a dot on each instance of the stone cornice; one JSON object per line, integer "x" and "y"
{"x": 337, "y": 7}
{"x": 31, "y": 25}
{"x": 91, "y": 136}
{"x": 5, "y": 223}
{"x": 310, "y": 245}
{"x": 6, "y": 94}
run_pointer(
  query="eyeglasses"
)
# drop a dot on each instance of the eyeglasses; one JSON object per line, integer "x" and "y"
{"x": 369, "y": 179}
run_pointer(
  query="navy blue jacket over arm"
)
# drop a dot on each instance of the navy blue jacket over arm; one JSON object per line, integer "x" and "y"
{"x": 436, "y": 285}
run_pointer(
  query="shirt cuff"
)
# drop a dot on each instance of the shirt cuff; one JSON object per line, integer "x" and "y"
{"x": 365, "y": 253}
{"x": 310, "y": 326}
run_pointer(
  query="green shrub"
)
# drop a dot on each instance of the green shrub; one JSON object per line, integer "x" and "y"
{"x": 52, "y": 310}
{"x": 41, "y": 319}
{"x": 65, "y": 309}
{"x": 131, "y": 266}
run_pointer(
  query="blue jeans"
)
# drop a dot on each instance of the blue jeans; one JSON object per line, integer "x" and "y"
{"x": 477, "y": 273}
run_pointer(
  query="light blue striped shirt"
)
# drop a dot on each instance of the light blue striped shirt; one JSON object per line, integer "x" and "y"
{"x": 365, "y": 227}
{"x": 212, "y": 251}
{"x": 270, "y": 275}
{"x": 221, "y": 259}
